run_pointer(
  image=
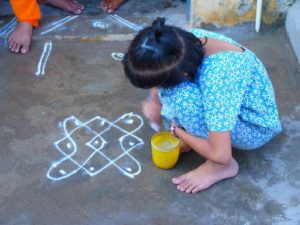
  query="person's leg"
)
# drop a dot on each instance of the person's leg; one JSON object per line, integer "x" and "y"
{"x": 111, "y": 5}
{"x": 28, "y": 15}
{"x": 68, "y": 5}
{"x": 205, "y": 175}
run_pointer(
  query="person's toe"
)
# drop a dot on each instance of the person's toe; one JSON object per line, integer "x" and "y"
{"x": 108, "y": 8}
{"x": 24, "y": 50}
{"x": 204, "y": 185}
{"x": 73, "y": 7}
{"x": 102, "y": 5}
{"x": 77, "y": 5}
{"x": 16, "y": 48}
{"x": 77, "y": 11}
{"x": 182, "y": 187}
{"x": 196, "y": 189}
{"x": 104, "y": 8}
{"x": 13, "y": 46}
{"x": 189, "y": 188}
{"x": 178, "y": 180}
{"x": 10, "y": 43}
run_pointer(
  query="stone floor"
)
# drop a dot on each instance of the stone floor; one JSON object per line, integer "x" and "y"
{"x": 81, "y": 79}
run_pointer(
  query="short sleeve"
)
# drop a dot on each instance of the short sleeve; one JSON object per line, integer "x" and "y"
{"x": 223, "y": 85}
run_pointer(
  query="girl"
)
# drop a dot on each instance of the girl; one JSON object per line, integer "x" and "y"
{"x": 216, "y": 92}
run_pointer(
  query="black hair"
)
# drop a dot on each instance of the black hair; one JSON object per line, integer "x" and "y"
{"x": 162, "y": 55}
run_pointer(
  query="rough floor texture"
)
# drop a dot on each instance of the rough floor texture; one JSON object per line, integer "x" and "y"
{"x": 82, "y": 79}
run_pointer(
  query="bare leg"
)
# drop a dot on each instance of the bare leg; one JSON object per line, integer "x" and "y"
{"x": 111, "y": 5}
{"x": 68, "y": 5}
{"x": 205, "y": 175}
{"x": 20, "y": 39}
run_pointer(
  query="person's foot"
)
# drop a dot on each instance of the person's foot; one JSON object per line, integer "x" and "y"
{"x": 19, "y": 41}
{"x": 68, "y": 5}
{"x": 205, "y": 175}
{"x": 111, "y": 5}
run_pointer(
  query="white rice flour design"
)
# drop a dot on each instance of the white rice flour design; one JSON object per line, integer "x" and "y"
{"x": 92, "y": 147}
{"x": 58, "y": 24}
{"x": 40, "y": 69}
{"x": 8, "y": 28}
{"x": 127, "y": 23}
{"x": 117, "y": 56}
{"x": 100, "y": 24}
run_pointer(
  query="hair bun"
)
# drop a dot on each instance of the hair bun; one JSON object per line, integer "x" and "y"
{"x": 157, "y": 27}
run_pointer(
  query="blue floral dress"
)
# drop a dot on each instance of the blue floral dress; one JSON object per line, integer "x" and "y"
{"x": 232, "y": 92}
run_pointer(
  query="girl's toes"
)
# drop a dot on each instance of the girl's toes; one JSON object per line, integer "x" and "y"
{"x": 189, "y": 189}
{"x": 178, "y": 180}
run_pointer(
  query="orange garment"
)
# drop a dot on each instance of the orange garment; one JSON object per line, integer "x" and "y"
{"x": 27, "y": 11}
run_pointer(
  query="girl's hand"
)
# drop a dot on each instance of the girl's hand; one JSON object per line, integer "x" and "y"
{"x": 173, "y": 129}
{"x": 152, "y": 110}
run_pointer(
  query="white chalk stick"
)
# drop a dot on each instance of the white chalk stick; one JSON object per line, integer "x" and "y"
{"x": 154, "y": 126}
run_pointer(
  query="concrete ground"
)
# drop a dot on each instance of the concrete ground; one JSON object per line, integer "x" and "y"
{"x": 82, "y": 79}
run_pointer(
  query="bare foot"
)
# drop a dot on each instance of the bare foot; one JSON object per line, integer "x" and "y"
{"x": 111, "y": 5}
{"x": 205, "y": 175}
{"x": 68, "y": 5}
{"x": 19, "y": 41}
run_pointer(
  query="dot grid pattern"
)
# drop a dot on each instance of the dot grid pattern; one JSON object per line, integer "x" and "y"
{"x": 94, "y": 147}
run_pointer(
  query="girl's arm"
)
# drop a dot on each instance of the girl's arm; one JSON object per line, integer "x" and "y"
{"x": 152, "y": 107}
{"x": 154, "y": 95}
{"x": 216, "y": 148}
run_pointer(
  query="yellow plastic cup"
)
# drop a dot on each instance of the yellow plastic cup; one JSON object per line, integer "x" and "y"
{"x": 165, "y": 150}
